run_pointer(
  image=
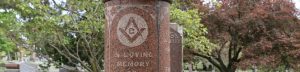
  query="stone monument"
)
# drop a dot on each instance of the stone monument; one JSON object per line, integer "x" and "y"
{"x": 137, "y": 36}
{"x": 28, "y": 67}
{"x": 176, "y": 50}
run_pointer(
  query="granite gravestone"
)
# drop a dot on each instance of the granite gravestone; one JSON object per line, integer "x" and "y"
{"x": 137, "y": 36}
{"x": 176, "y": 47}
{"x": 28, "y": 67}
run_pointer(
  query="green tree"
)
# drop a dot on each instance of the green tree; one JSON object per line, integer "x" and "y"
{"x": 70, "y": 32}
{"x": 195, "y": 40}
{"x": 8, "y": 26}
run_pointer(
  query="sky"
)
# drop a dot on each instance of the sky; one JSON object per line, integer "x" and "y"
{"x": 297, "y": 3}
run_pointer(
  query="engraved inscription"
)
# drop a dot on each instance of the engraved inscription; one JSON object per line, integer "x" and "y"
{"x": 175, "y": 38}
{"x": 132, "y": 30}
{"x": 133, "y": 64}
{"x": 133, "y": 55}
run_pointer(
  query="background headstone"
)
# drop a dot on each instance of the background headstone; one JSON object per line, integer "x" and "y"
{"x": 12, "y": 70}
{"x": 28, "y": 67}
{"x": 137, "y": 36}
{"x": 66, "y": 68}
{"x": 176, "y": 47}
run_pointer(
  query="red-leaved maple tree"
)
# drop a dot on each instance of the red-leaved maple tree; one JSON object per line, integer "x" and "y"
{"x": 252, "y": 33}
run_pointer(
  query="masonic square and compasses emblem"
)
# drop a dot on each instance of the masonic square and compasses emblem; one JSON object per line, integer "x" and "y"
{"x": 132, "y": 30}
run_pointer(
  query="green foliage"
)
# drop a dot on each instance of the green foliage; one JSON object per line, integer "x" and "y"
{"x": 194, "y": 31}
{"x": 6, "y": 45}
{"x": 69, "y": 33}
{"x": 7, "y": 23}
{"x": 6, "y": 20}
{"x": 194, "y": 34}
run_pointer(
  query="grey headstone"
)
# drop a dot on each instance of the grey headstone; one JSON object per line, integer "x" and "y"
{"x": 28, "y": 67}
{"x": 12, "y": 70}
{"x": 176, "y": 47}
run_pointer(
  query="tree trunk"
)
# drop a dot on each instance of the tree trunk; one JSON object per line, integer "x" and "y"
{"x": 9, "y": 58}
{"x": 231, "y": 69}
{"x": 190, "y": 67}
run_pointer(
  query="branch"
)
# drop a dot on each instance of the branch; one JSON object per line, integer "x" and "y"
{"x": 237, "y": 53}
{"x": 229, "y": 52}
{"x": 59, "y": 5}
{"x": 87, "y": 46}
{"x": 77, "y": 46}
{"x": 235, "y": 57}
{"x": 71, "y": 55}
{"x": 80, "y": 61}
{"x": 60, "y": 52}
{"x": 210, "y": 60}
{"x": 219, "y": 58}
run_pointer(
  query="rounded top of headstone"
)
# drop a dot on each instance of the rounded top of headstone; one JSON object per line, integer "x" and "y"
{"x": 170, "y": 1}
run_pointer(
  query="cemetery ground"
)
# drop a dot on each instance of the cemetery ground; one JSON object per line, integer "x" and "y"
{"x": 27, "y": 65}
